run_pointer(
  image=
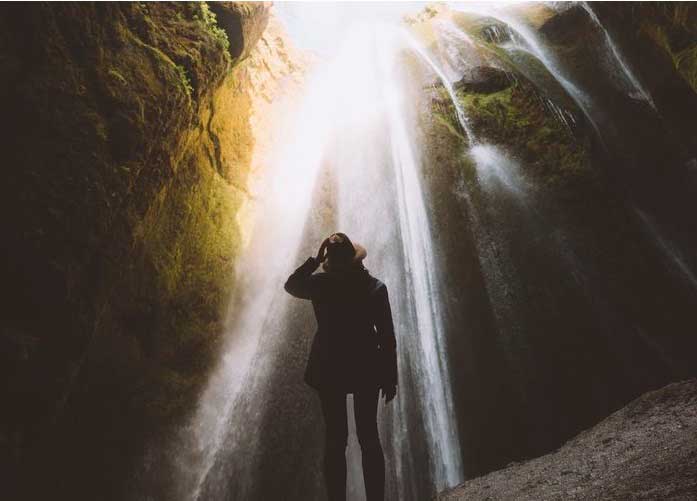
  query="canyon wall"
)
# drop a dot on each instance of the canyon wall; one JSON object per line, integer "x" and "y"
{"x": 126, "y": 163}
{"x": 566, "y": 300}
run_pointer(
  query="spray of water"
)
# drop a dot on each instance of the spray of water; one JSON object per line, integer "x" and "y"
{"x": 496, "y": 168}
{"x": 355, "y": 120}
{"x": 283, "y": 202}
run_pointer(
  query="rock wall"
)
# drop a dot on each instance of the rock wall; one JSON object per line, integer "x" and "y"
{"x": 563, "y": 307}
{"x": 127, "y": 161}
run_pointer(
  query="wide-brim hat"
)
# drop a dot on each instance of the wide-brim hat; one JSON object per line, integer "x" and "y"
{"x": 339, "y": 244}
{"x": 360, "y": 253}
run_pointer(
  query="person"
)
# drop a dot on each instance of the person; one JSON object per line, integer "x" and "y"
{"x": 353, "y": 351}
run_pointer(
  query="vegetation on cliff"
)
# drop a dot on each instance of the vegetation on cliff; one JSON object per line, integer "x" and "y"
{"x": 119, "y": 208}
{"x": 672, "y": 27}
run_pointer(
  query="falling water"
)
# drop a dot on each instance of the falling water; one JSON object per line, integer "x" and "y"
{"x": 528, "y": 40}
{"x": 667, "y": 248}
{"x": 639, "y": 89}
{"x": 357, "y": 121}
{"x": 460, "y": 113}
{"x": 496, "y": 168}
{"x": 385, "y": 149}
{"x": 457, "y": 50}
{"x": 354, "y": 121}
{"x": 283, "y": 202}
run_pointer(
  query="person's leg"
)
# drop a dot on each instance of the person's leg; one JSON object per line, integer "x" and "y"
{"x": 365, "y": 406}
{"x": 336, "y": 433}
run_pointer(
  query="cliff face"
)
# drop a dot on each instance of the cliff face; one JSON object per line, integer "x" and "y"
{"x": 540, "y": 208}
{"x": 126, "y": 164}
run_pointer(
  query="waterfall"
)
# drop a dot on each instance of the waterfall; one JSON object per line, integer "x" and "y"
{"x": 382, "y": 148}
{"x": 527, "y": 40}
{"x": 283, "y": 198}
{"x": 348, "y": 156}
{"x": 355, "y": 121}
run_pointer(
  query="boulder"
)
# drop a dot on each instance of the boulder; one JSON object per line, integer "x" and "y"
{"x": 243, "y": 22}
{"x": 483, "y": 80}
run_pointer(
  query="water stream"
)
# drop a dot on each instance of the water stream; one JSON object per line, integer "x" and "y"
{"x": 360, "y": 131}
{"x": 636, "y": 88}
{"x": 348, "y": 158}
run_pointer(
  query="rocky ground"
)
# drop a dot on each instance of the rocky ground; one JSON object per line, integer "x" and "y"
{"x": 646, "y": 450}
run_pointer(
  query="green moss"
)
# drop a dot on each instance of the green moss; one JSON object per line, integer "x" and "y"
{"x": 445, "y": 116}
{"x": 673, "y": 27}
{"x": 117, "y": 76}
{"x": 184, "y": 79}
{"x": 686, "y": 63}
{"x": 124, "y": 220}
{"x": 189, "y": 242}
{"x": 207, "y": 17}
{"x": 515, "y": 118}
{"x": 166, "y": 69}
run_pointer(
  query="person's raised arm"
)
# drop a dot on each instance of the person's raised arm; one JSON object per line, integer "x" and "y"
{"x": 387, "y": 343}
{"x": 299, "y": 283}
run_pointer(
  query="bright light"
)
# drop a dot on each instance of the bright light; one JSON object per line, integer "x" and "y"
{"x": 321, "y": 26}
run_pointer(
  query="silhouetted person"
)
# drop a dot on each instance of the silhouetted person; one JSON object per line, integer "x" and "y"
{"x": 354, "y": 351}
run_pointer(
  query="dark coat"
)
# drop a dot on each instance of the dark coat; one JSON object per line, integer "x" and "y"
{"x": 354, "y": 345}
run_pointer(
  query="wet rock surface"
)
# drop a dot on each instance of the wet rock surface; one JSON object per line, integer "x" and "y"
{"x": 538, "y": 187}
{"x": 646, "y": 450}
{"x": 483, "y": 80}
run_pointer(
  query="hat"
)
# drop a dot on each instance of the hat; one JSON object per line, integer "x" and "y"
{"x": 341, "y": 252}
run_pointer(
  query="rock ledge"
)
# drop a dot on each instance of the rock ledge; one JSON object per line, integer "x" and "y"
{"x": 646, "y": 450}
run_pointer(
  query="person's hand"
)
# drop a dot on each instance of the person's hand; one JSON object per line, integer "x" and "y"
{"x": 322, "y": 252}
{"x": 389, "y": 392}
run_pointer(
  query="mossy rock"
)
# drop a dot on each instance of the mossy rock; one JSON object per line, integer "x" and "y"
{"x": 554, "y": 154}
{"x": 242, "y": 22}
{"x": 483, "y": 80}
{"x": 120, "y": 209}
{"x": 486, "y": 29}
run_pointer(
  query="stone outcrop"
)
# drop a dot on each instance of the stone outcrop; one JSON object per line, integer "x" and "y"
{"x": 243, "y": 23}
{"x": 646, "y": 450}
{"x": 483, "y": 80}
